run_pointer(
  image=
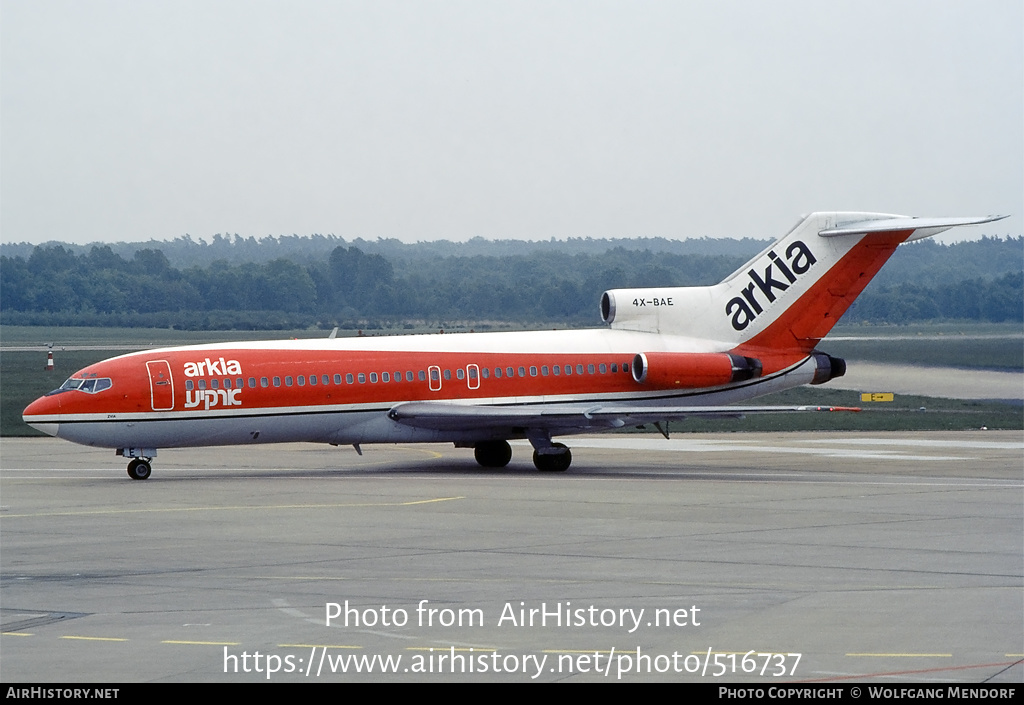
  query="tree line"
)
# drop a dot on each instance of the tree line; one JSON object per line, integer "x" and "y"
{"x": 61, "y": 285}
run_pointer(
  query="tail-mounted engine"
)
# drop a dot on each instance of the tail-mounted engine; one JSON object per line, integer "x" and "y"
{"x": 827, "y": 367}
{"x": 644, "y": 309}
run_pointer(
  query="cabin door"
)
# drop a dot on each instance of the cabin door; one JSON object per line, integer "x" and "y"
{"x": 434, "y": 374}
{"x": 161, "y": 390}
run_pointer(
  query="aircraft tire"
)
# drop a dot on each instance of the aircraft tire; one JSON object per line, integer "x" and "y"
{"x": 493, "y": 454}
{"x": 139, "y": 469}
{"x": 557, "y": 462}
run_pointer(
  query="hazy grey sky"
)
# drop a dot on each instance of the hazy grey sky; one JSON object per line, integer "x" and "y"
{"x": 126, "y": 120}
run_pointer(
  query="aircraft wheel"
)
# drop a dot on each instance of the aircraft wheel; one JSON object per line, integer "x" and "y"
{"x": 139, "y": 469}
{"x": 555, "y": 462}
{"x": 493, "y": 454}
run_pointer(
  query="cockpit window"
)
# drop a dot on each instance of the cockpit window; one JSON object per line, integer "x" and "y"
{"x": 90, "y": 386}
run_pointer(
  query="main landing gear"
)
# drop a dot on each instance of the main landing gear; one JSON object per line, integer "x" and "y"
{"x": 493, "y": 454}
{"x": 557, "y": 459}
{"x": 547, "y": 456}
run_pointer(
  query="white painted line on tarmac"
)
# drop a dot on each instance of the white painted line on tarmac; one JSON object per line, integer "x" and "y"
{"x": 921, "y": 443}
{"x": 702, "y": 446}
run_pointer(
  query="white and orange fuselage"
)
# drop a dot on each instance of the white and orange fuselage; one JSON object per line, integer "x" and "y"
{"x": 665, "y": 353}
{"x": 340, "y": 390}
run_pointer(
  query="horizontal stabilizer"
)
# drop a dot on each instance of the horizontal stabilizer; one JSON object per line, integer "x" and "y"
{"x": 923, "y": 227}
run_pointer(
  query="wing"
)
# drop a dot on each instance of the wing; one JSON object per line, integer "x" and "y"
{"x": 446, "y": 416}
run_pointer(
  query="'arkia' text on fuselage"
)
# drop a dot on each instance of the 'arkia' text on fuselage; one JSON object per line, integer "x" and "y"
{"x": 665, "y": 353}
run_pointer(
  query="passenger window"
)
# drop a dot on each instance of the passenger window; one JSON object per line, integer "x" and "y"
{"x": 326, "y": 379}
{"x": 486, "y": 372}
{"x": 447, "y": 374}
{"x": 590, "y": 369}
{"x": 459, "y": 373}
{"x": 189, "y": 385}
{"x": 604, "y": 368}
{"x": 252, "y": 383}
{"x": 264, "y": 382}
{"x": 277, "y": 381}
{"x": 288, "y": 381}
{"x": 213, "y": 384}
{"x": 556, "y": 369}
{"x": 497, "y": 373}
{"x": 302, "y": 380}
{"x": 509, "y": 372}
{"x": 312, "y": 379}
{"x": 423, "y": 376}
{"x": 522, "y": 371}
{"x": 202, "y": 384}
{"x": 568, "y": 369}
{"x": 349, "y": 378}
{"x": 227, "y": 384}
{"x": 385, "y": 377}
{"x": 615, "y": 367}
{"x": 544, "y": 370}
{"x": 239, "y": 383}
{"x": 362, "y": 378}
{"x": 409, "y": 376}
{"x": 579, "y": 369}
{"x": 533, "y": 371}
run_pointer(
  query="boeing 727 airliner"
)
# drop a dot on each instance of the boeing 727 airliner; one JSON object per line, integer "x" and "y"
{"x": 664, "y": 354}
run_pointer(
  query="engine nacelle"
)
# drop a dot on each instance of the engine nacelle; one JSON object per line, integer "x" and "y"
{"x": 827, "y": 367}
{"x": 676, "y": 309}
{"x": 693, "y": 370}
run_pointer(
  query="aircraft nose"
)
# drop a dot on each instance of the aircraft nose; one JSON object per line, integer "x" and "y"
{"x": 43, "y": 414}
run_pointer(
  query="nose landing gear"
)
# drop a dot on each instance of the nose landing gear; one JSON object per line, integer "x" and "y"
{"x": 139, "y": 469}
